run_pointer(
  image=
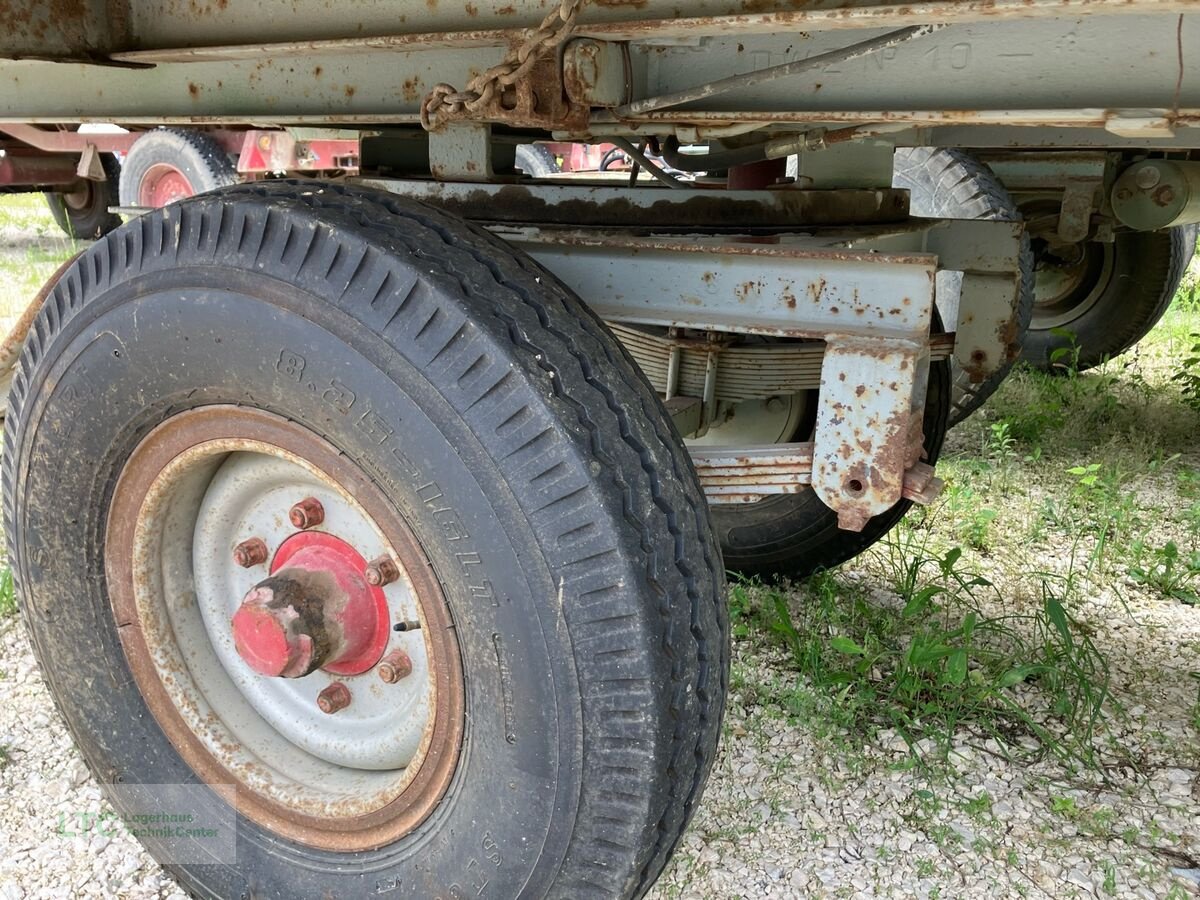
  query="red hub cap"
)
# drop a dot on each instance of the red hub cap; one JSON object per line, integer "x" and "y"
{"x": 163, "y": 184}
{"x": 316, "y": 610}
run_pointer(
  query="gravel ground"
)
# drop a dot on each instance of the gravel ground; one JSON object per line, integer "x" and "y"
{"x": 787, "y": 813}
{"x": 793, "y": 810}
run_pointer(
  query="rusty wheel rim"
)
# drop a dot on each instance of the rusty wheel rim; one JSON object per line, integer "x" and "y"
{"x": 298, "y": 796}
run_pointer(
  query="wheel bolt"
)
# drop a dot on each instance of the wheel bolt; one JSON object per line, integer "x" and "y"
{"x": 1147, "y": 177}
{"x": 333, "y": 698}
{"x": 380, "y": 571}
{"x": 308, "y": 513}
{"x": 252, "y": 552}
{"x": 395, "y": 665}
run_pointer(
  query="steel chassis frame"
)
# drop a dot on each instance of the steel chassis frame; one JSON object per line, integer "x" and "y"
{"x": 826, "y": 265}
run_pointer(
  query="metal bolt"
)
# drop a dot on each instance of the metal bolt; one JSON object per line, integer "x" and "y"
{"x": 408, "y": 625}
{"x": 1124, "y": 194}
{"x": 308, "y": 513}
{"x": 1164, "y": 195}
{"x": 333, "y": 698}
{"x": 394, "y": 666}
{"x": 1147, "y": 177}
{"x": 775, "y": 404}
{"x": 252, "y": 552}
{"x": 380, "y": 571}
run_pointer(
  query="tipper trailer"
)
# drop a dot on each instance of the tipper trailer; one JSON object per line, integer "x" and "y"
{"x": 395, "y": 508}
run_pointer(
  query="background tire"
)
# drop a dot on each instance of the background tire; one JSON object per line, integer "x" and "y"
{"x": 1108, "y": 297}
{"x": 596, "y": 660}
{"x": 536, "y": 161}
{"x": 85, "y": 216}
{"x": 170, "y": 164}
{"x": 949, "y": 184}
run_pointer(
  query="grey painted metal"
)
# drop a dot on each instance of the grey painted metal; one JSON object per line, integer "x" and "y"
{"x": 855, "y": 281}
{"x": 1117, "y": 68}
{"x": 1158, "y": 193}
{"x": 795, "y": 286}
{"x": 873, "y": 310}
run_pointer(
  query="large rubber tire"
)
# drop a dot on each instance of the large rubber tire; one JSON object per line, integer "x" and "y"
{"x": 537, "y": 161}
{"x": 90, "y": 219}
{"x": 201, "y": 162}
{"x": 1127, "y": 286}
{"x": 594, "y": 679}
{"x": 795, "y": 535}
{"x": 950, "y": 184}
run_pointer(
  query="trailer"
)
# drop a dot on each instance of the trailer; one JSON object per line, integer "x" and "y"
{"x": 386, "y": 518}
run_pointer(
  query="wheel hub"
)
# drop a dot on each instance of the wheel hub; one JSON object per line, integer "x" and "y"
{"x": 163, "y": 184}
{"x": 315, "y": 611}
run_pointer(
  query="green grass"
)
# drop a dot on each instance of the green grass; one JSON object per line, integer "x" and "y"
{"x": 31, "y": 248}
{"x": 8, "y": 597}
{"x": 937, "y": 663}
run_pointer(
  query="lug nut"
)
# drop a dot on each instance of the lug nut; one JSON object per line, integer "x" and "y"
{"x": 333, "y": 698}
{"x": 395, "y": 665}
{"x": 381, "y": 571}
{"x": 252, "y": 552}
{"x": 308, "y": 513}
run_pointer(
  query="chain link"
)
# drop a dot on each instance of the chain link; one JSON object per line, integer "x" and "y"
{"x": 445, "y": 99}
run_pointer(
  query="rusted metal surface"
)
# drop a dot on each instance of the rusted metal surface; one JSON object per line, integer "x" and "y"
{"x": 642, "y": 209}
{"x": 334, "y": 698}
{"x": 748, "y": 474}
{"x": 866, "y": 411}
{"x": 251, "y": 552}
{"x": 394, "y": 667}
{"x": 308, "y": 513}
{"x": 747, "y": 371}
{"x": 751, "y": 474}
{"x": 36, "y": 169}
{"x": 57, "y": 140}
{"x": 921, "y": 485}
{"x": 159, "y": 468}
{"x": 381, "y": 571}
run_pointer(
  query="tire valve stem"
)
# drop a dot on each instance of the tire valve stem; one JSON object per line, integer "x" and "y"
{"x": 333, "y": 698}
{"x": 381, "y": 570}
{"x": 395, "y": 666}
{"x": 411, "y": 625}
{"x": 251, "y": 552}
{"x": 308, "y": 513}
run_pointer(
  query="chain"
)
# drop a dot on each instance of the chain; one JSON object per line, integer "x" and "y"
{"x": 445, "y": 99}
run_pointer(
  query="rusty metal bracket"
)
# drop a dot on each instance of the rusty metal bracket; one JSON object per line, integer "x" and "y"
{"x": 750, "y": 474}
{"x": 537, "y": 100}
